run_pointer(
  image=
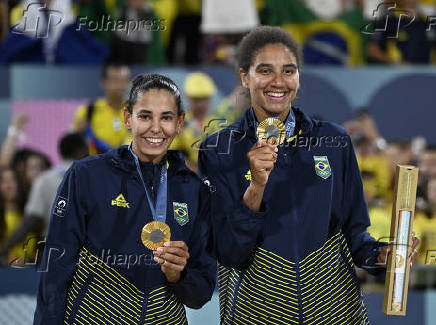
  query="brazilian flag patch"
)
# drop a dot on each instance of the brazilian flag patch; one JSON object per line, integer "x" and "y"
{"x": 181, "y": 213}
{"x": 322, "y": 166}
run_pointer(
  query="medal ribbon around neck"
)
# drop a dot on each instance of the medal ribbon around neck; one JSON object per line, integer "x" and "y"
{"x": 159, "y": 212}
{"x": 154, "y": 234}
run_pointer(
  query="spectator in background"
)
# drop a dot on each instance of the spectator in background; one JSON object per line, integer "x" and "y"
{"x": 8, "y": 148}
{"x": 72, "y": 147}
{"x": 405, "y": 38}
{"x": 223, "y": 25}
{"x": 398, "y": 152}
{"x": 427, "y": 162}
{"x": 101, "y": 120}
{"x": 35, "y": 164}
{"x": 12, "y": 201}
{"x": 27, "y": 162}
{"x": 140, "y": 42}
{"x": 369, "y": 146}
{"x": 234, "y": 105}
{"x": 93, "y": 11}
{"x": 199, "y": 89}
{"x": 185, "y": 39}
{"x": 425, "y": 227}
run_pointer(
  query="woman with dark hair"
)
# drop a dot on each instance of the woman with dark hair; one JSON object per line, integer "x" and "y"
{"x": 34, "y": 165}
{"x": 288, "y": 216}
{"x": 12, "y": 201}
{"x": 109, "y": 206}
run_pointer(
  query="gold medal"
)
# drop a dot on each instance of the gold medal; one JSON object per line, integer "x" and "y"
{"x": 155, "y": 234}
{"x": 272, "y": 131}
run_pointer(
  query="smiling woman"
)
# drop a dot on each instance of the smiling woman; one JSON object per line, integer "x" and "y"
{"x": 115, "y": 204}
{"x": 154, "y": 115}
{"x": 288, "y": 234}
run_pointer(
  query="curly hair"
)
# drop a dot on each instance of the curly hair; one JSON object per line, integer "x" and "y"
{"x": 259, "y": 38}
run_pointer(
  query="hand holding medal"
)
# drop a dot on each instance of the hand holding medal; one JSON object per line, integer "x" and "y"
{"x": 271, "y": 132}
{"x": 172, "y": 257}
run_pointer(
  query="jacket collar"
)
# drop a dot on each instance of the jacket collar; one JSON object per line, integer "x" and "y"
{"x": 121, "y": 158}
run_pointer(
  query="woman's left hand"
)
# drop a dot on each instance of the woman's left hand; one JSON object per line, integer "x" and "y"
{"x": 172, "y": 258}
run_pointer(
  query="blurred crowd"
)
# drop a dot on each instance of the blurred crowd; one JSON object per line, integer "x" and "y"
{"x": 340, "y": 32}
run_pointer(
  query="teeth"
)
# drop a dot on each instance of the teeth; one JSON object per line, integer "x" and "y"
{"x": 275, "y": 94}
{"x": 155, "y": 140}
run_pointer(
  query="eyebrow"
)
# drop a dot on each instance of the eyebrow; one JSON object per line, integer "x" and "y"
{"x": 146, "y": 111}
{"x": 267, "y": 65}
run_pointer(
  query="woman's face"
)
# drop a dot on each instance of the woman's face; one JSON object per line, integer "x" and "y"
{"x": 8, "y": 185}
{"x": 34, "y": 166}
{"x": 272, "y": 79}
{"x": 154, "y": 123}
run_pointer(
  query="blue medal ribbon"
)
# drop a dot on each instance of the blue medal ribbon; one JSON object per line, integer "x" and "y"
{"x": 159, "y": 212}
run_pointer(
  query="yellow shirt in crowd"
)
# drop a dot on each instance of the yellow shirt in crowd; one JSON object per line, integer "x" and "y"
{"x": 378, "y": 167}
{"x": 25, "y": 251}
{"x": 107, "y": 123}
{"x": 189, "y": 140}
{"x": 425, "y": 229}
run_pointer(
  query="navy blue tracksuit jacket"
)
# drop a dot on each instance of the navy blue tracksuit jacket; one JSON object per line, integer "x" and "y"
{"x": 95, "y": 268}
{"x": 292, "y": 262}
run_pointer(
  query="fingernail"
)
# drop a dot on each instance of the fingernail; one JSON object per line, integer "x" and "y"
{"x": 167, "y": 244}
{"x": 276, "y": 149}
{"x": 159, "y": 250}
{"x": 155, "y": 259}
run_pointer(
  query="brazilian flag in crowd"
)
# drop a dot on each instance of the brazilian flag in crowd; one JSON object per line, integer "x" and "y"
{"x": 336, "y": 40}
{"x": 95, "y": 9}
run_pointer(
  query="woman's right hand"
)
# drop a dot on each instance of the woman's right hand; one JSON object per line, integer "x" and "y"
{"x": 262, "y": 157}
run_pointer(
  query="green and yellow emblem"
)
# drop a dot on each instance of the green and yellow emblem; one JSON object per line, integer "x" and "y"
{"x": 181, "y": 213}
{"x": 322, "y": 166}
